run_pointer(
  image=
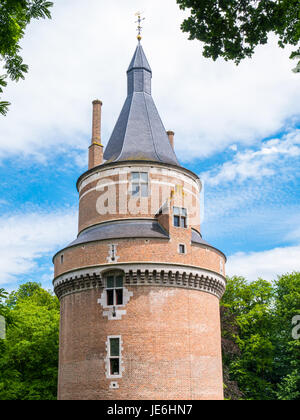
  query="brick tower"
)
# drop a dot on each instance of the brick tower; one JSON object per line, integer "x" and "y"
{"x": 139, "y": 288}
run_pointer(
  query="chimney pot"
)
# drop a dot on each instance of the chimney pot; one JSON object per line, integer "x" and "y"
{"x": 96, "y": 148}
{"x": 171, "y": 135}
{"x": 97, "y": 108}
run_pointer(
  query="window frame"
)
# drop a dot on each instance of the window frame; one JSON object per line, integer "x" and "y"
{"x": 115, "y": 288}
{"x": 139, "y": 182}
{"x": 110, "y": 357}
{"x": 184, "y": 249}
{"x": 181, "y": 215}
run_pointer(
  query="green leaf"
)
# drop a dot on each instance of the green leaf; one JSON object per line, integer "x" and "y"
{"x": 233, "y": 29}
{"x": 4, "y": 107}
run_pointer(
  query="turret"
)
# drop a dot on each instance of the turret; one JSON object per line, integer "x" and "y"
{"x": 139, "y": 287}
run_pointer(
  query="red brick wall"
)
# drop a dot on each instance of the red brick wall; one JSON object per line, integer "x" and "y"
{"x": 171, "y": 339}
{"x": 138, "y": 250}
{"x": 171, "y": 336}
{"x": 160, "y": 186}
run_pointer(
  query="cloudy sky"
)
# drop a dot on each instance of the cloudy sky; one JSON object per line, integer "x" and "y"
{"x": 237, "y": 127}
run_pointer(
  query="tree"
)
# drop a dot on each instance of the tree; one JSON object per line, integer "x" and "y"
{"x": 29, "y": 354}
{"x": 250, "y": 326}
{"x": 261, "y": 359}
{"x": 3, "y": 295}
{"x": 232, "y": 29}
{"x": 15, "y": 15}
{"x": 24, "y": 291}
{"x": 287, "y": 363}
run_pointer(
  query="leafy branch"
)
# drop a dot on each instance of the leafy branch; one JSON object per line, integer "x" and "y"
{"x": 15, "y": 15}
{"x": 233, "y": 29}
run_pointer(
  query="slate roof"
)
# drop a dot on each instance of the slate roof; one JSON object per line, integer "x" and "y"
{"x": 122, "y": 229}
{"x": 197, "y": 239}
{"x": 139, "y": 60}
{"x": 139, "y": 133}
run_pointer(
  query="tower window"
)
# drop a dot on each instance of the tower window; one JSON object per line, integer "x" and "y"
{"x": 114, "y": 355}
{"x": 139, "y": 184}
{"x": 179, "y": 217}
{"x": 113, "y": 252}
{"x": 181, "y": 249}
{"x": 114, "y": 290}
{"x": 62, "y": 259}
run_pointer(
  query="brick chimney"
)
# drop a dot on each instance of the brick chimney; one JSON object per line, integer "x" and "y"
{"x": 96, "y": 148}
{"x": 171, "y": 135}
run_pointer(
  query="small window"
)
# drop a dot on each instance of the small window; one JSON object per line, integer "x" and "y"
{"x": 139, "y": 184}
{"x": 114, "y": 290}
{"x": 181, "y": 249}
{"x": 180, "y": 217}
{"x": 114, "y": 356}
{"x": 62, "y": 259}
{"x": 113, "y": 252}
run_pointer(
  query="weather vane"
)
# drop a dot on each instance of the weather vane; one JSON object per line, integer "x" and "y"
{"x": 139, "y": 28}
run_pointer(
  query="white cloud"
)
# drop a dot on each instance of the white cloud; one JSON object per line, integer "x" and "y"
{"x": 27, "y": 237}
{"x": 83, "y": 53}
{"x": 266, "y": 264}
{"x": 256, "y": 164}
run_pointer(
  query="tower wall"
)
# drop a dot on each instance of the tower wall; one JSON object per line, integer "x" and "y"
{"x": 169, "y": 322}
{"x": 110, "y": 187}
{"x": 170, "y": 346}
{"x": 96, "y": 254}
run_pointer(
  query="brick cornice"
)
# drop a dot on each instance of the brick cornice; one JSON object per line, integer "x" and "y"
{"x": 142, "y": 274}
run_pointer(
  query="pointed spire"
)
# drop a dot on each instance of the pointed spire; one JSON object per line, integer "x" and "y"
{"x": 139, "y": 60}
{"x": 139, "y": 73}
{"x": 139, "y": 133}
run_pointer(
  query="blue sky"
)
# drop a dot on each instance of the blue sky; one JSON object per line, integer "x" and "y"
{"x": 237, "y": 127}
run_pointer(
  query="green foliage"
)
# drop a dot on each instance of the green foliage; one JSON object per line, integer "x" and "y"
{"x": 267, "y": 363}
{"x": 3, "y": 309}
{"x": 24, "y": 291}
{"x": 289, "y": 388}
{"x": 232, "y": 29}
{"x": 29, "y": 355}
{"x": 15, "y": 15}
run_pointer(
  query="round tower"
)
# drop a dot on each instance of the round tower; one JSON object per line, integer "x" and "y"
{"x": 139, "y": 288}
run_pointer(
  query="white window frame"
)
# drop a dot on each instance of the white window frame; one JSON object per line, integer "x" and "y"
{"x": 115, "y": 288}
{"x": 184, "y": 246}
{"x": 139, "y": 182}
{"x": 109, "y": 357}
{"x": 183, "y": 215}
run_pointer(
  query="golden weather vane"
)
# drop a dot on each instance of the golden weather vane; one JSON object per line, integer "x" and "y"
{"x": 139, "y": 22}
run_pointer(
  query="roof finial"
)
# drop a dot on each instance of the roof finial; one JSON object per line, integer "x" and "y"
{"x": 139, "y": 28}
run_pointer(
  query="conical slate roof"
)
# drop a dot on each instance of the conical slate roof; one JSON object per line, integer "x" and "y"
{"x": 139, "y": 133}
{"x": 139, "y": 60}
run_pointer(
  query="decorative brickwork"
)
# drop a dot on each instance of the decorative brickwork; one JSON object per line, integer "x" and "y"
{"x": 142, "y": 275}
